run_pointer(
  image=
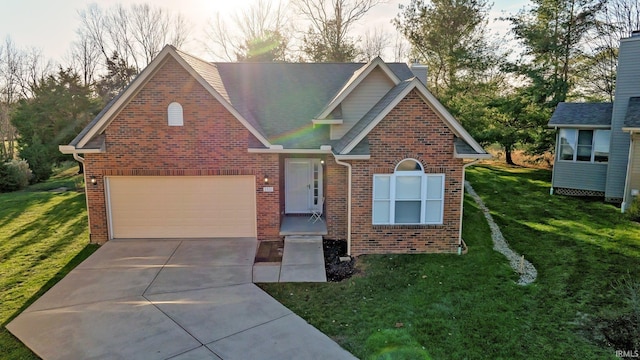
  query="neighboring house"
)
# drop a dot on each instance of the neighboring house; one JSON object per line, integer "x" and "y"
{"x": 598, "y": 144}
{"x": 193, "y": 149}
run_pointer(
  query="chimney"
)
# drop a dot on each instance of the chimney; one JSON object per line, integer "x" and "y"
{"x": 419, "y": 71}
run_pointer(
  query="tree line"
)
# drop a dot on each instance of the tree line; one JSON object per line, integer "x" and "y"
{"x": 565, "y": 50}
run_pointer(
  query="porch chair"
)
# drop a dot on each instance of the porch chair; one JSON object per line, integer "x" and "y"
{"x": 316, "y": 213}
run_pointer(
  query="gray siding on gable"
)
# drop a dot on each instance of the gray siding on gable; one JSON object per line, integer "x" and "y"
{"x": 579, "y": 175}
{"x": 626, "y": 87}
{"x": 361, "y": 100}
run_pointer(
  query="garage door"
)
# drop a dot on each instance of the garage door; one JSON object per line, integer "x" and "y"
{"x": 181, "y": 206}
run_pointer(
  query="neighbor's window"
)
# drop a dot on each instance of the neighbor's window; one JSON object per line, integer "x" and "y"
{"x": 584, "y": 145}
{"x": 408, "y": 196}
{"x": 601, "y": 145}
{"x": 174, "y": 114}
{"x": 567, "y": 144}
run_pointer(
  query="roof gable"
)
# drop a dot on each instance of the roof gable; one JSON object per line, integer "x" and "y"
{"x": 360, "y": 130}
{"x": 202, "y": 71}
{"x": 355, "y": 80}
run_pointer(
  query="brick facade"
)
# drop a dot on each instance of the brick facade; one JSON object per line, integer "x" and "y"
{"x": 213, "y": 142}
{"x": 410, "y": 130}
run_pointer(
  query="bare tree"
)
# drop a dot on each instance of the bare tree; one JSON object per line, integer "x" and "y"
{"x": 401, "y": 48}
{"x": 260, "y": 34}
{"x": 598, "y": 67}
{"x": 330, "y": 22}
{"x": 84, "y": 57}
{"x": 136, "y": 34}
{"x": 374, "y": 44}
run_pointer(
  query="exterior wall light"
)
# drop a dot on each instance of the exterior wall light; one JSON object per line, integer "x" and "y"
{"x": 94, "y": 181}
{"x": 321, "y": 162}
{"x": 266, "y": 179}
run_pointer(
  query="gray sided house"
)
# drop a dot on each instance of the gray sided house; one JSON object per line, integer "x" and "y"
{"x": 598, "y": 144}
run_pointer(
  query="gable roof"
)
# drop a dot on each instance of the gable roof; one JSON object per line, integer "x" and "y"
{"x": 582, "y": 115}
{"x": 199, "y": 69}
{"x": 277, "y": 102}
{"x": 353, "y": 82}
{"x": 360, "y": 130}
{"x": 632, "y": 117}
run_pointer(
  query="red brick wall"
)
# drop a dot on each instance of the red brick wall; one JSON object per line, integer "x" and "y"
{"x": 410, "y": 130}
{"x": 335, "y": 194}
{"x": 211, "y": 142}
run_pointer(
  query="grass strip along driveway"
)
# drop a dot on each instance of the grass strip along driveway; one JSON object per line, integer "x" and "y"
{"x": 43, "y": 236}
{"x": 470, "y": 307}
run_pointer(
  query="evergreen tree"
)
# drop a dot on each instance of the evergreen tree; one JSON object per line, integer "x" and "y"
{"x": 60, "y": 108}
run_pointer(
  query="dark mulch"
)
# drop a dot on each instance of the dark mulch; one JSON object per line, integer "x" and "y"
{"x": 337, "y": 270}
{"x": 270, "y": 251}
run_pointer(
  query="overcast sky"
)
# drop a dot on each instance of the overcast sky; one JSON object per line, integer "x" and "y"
{"x": 50, "y": 25}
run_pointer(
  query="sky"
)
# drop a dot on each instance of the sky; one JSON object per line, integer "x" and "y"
{"x": 50, "y": 25}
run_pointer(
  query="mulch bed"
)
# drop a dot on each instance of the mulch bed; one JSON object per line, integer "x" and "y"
{"x": 337, "y": 270}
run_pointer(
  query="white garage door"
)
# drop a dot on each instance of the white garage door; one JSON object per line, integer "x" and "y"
{"x": 181, "y": 206}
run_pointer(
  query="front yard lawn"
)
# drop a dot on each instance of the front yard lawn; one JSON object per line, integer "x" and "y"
{"x": 43, "y": 236}
{"x": 401, "y": 306}
{"x": 469, "y": 307}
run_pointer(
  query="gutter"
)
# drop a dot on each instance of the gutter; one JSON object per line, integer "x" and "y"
{"x": 460, "y": 241}
{"x": 348, "y": 202}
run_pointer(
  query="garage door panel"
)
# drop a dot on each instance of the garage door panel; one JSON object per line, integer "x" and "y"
{"x": 181, "y": 207}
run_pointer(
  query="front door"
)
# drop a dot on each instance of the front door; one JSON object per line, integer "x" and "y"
{"x": 303, "y": 185}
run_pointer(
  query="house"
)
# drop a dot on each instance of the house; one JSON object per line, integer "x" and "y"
{"x": 193, "y": 149}
{"x": 598, "y": 144}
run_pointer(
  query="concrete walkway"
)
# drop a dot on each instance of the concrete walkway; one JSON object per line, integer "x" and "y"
{"x": 302, "y": 261}
{"x": 168, "y": 299}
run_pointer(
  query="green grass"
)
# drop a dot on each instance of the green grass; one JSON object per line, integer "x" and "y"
{"x": 469, "y": 307}
{"x": 43, "y": 236}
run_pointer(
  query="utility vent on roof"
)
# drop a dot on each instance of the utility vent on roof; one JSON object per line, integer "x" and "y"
{"x": 174, "y": 114}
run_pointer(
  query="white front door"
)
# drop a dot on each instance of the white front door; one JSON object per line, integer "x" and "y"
{"x": 303, "y": 185}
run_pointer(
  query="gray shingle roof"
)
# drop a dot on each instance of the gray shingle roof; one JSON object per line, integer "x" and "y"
{"x": 582, "y": 114}
{"x": 632, "y": 117}
{"x": 278, "y": 99}
{"x": 284, "y": 97}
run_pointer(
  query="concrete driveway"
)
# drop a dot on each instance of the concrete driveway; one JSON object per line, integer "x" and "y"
{"x": 168, "y": 299}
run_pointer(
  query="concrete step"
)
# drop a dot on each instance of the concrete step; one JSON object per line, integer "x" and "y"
{"x": 303, "y": 239}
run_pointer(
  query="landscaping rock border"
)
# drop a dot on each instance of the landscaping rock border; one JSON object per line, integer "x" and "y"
{"x": 527, "y": 271}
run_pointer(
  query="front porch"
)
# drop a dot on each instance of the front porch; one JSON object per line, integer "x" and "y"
{"x": 302, "y": 225}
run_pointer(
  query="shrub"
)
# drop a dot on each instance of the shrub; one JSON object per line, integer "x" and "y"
{"x": 39, "y": 160}
{"x": 14, "y": 175}
{"x": 623, "y": 332}
{"x": 633, "y": 212}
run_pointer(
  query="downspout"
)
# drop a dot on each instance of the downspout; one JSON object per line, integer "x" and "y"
{"x": 348, "y": 202}
{"x": 80, "y": 159}
{"x": 462, "y": 204}
{"x": 627, "y": 180}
